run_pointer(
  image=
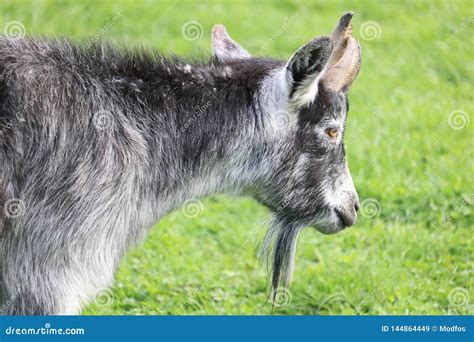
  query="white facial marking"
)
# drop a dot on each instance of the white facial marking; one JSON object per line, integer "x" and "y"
{"x": 335, "y": 195}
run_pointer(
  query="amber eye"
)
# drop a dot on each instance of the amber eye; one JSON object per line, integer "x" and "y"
{"x": 332, "y": 132}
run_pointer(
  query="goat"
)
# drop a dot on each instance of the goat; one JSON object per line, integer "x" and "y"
{"x": 98, "y": 143}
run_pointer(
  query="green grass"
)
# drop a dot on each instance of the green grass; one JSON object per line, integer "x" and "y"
{"x": 402, "y": 151}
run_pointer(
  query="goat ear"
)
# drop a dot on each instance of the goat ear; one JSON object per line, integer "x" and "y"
{"x": 225, "y": 48}
{"x": 306, "y": 67}
{"x": 344, "y": 64}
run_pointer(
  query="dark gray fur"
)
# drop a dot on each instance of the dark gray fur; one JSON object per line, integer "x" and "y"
{"x": 174, "y": 130}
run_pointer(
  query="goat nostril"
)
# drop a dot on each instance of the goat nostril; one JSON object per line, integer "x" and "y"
{"x": 346, "y": 218}
{"x": 356, "y": 206}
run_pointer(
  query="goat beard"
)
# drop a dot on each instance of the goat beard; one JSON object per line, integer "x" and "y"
{"x": 278, "y": 251}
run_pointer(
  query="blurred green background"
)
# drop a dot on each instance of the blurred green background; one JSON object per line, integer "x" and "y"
{"x": 409, "y": 141}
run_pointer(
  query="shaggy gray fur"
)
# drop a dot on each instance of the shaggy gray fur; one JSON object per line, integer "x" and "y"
{"x": 98, "y": 143}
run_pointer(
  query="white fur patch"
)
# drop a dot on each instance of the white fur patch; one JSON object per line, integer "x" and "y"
{"x": 335, "y": 197}
{"x": 306, "y": 93}
{"x": 279, "y": 118}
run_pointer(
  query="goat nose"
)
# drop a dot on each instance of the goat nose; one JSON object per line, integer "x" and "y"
{"x": 347, "y": 217}
{"x": 356, "y": 205}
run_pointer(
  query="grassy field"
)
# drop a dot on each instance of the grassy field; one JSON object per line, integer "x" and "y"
{"x": 409, "y": 142}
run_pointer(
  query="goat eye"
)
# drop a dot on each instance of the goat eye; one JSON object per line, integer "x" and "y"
{"x": 332, "y": 132}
